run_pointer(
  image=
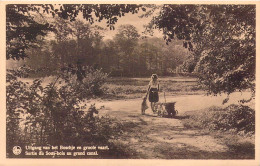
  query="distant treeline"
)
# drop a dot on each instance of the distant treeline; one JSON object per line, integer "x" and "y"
{"x": 128, "y": 54}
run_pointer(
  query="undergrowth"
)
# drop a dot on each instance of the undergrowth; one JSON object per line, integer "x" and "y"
{"x": 237, "y": 119}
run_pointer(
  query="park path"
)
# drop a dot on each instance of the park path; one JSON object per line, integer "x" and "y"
{"x": 166, "y": 138}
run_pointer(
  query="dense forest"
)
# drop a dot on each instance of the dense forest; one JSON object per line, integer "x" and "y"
{"x": 128, "y": 54}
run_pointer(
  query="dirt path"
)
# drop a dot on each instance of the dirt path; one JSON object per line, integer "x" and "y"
{"x": 165, "y": 138}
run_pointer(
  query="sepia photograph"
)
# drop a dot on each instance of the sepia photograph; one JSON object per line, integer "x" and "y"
{"x": 130, "y": 81}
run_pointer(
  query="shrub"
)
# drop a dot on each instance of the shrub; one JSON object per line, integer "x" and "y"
{"x": 238, "y": 119}
{"x": 90, "y": 83}
{"x": 94, "y": 81}
{"x": 54, "y": 115}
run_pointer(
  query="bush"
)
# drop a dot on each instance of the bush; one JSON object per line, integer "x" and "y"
{"x": 238, "y": 119}
{"x": 90, "y": 83}
{"x": 54, "y": 115}
{"x": 94, "y": 81}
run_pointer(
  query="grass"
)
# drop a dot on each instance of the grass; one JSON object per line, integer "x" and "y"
{"x": 240, "y": 147}
{"x": 235, "y": 119}
{"x": 137, "y": 87}
{"x": 131, "y": 88}
{"x": 237, "y": 150}
{"x": 234, "y": 126}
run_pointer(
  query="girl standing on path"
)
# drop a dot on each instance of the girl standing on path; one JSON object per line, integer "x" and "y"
{"x": 153, "y": 90}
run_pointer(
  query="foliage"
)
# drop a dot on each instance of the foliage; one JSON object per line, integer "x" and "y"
{"x": 119, "y": 56}
{"x": 91, "y": 84}
{"x": 147, "y": 56}
{"x": 75, "y": 45}
{"x": 78, "y": 42}
{"x": 222, "y": 38}
{"x": 23, "y": 30}
{"x": 238, "y": 119}
{"x": 54, "y": 114}
{"x": 126, "y": 39}
{"x": 14, "y": 89}
{"x": 188, "y": 65}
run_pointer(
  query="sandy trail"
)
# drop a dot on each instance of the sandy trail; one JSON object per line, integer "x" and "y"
{"x": 183, "y": 103}
{"x": 165, "y": 138}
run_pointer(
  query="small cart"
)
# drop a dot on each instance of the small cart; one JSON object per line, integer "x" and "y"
{"x": 166, "y": 109}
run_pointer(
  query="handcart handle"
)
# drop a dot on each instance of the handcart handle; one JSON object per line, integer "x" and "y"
{"x": 164, "y": 98}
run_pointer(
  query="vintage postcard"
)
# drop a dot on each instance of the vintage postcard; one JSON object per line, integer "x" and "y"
{"x": 158, "y": 83}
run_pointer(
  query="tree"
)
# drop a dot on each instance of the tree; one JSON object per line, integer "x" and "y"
{"x": 78, "y": 44}
{"x": 162, "y": 58}
{"x": 146, "y": 57}
{"x": 222, "y": 41}
{"x": 127, "y": 39}
{"x": 110, "y": 58}
{"x": 22, "y": 29}
{"x": 229, "y": 61}
{"x": 42, "y": 60}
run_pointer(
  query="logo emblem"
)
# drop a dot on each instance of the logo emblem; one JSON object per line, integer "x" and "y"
{"x": 17, "y": 150}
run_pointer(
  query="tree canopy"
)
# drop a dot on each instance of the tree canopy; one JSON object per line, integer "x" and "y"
{"x": 221, "y": 38}
{"x": 22, "y": 29}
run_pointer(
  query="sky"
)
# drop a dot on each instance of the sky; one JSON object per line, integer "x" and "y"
{"x": 129, "y": 18}
{"x": 133, "y": 19}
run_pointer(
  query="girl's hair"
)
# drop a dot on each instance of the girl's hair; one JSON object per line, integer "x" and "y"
{"x": 154, "y": 76}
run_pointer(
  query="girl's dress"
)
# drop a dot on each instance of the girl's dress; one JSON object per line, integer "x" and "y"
{"x": 153, "y": 92}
